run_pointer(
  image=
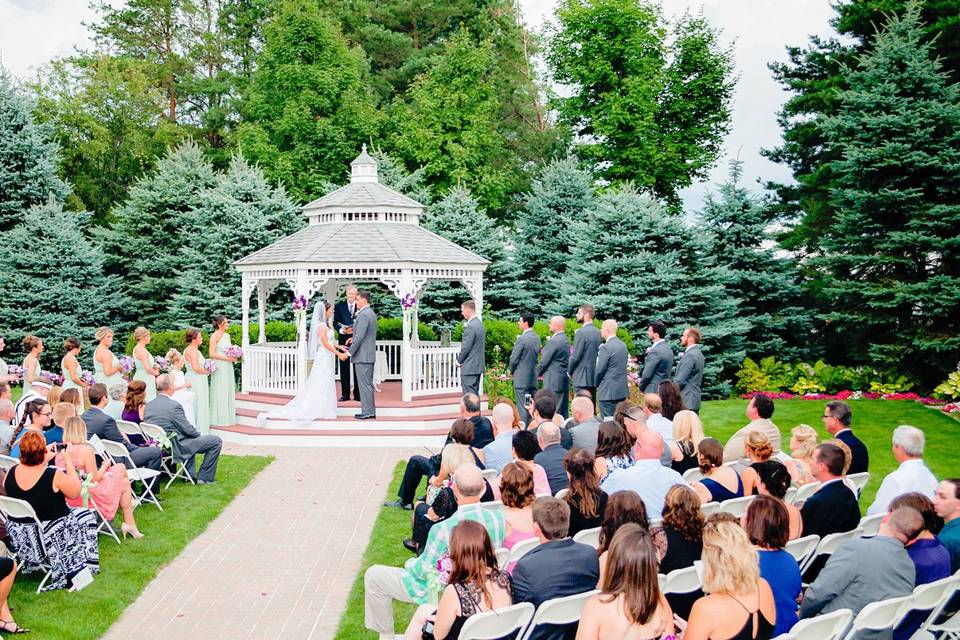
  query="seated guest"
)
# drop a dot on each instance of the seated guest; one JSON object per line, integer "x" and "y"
{"x": 946, "y": 504}
{"x": 585, "y": 426}
{"x": 865, "y": 570}
{"x": 803, "y": 440}
{"x": 767, "y": 524}
{"x": 513, "y": 407}
{"x": 836, "y": 420}
{"x": 759, "y": 411}
{"x": 544, "y": 411}
{"x": 719, "y": 482}
{"x": 419, "y": 580}
{"x": 7, "y": 415}
{"x": 585, "y": 498}
{"x": 911, "y": 475}
{"x": 740, "y": 604}
{"x": 622, "y": 508}
{"x": 774, "y": 482}
{"x": 833, "y": 508}
{"x": 499, "y": 452}
{"x": 687, "y": 434}
{"x": 551, "y": 456}
{"x": 74, "y": 397}
{"x": 618, "y": 413}
{"x": 683, "y": 528}
{"x": 475, "y": 584}
{"x": 8, "y": 572}
{"x": 647, "y": 477}
{"x": 613, "y": 449}
{"x": 758, "y": 449}
{"x": 70, "y": 534}
{"x": 135, "y": 402}
{"x": 40, "y": 389}
{"x": 630, "y": 603}
{"x": 116, "y": 393}
{"x": 440, "y": 502}
{"x": 525, "y": 449}
{"x": 635, "y": 422}
{"x": 652, "y": 409}
{"x": 167, "y": 413}
{"x": 516, "y": 492}
{"x": 671, "y": 399}
{"x": 482, "y": 429}
{"x": 62, "y": 412}
{"x": 37, "y": 416}
{"x": 99, "y": 423}
{"x": 930, "y": 558}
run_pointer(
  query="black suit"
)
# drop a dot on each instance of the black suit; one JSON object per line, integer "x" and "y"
{"x": 343, "y": 318}
{"x": 555, "y": 569}
{"x": 832, "y": 509}
{"x": 860, "y": 459}
{"x": 551, "y": 459}
{"x": 103, "y": 426}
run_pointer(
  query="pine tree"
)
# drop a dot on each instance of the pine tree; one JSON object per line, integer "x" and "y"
{"x": 891, "y": 267}
{"x": 736, "y": 224}
{"x": 561, "y": 193}
{"x": 143, "y": 246}
{"x": 28, "y": 157}
{"x": 242, "y": 214}
{"x": 53, "y": 279}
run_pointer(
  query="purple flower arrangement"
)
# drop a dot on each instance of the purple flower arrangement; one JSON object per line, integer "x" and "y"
{"x": 299, "y": 303}
{"x": 162, "y": 363}
{"x": 233, "y": 351}
{"x": 408, "y": 302}
{"x": 127, "y": 366}
{"x": 56, "y": 378}
{"x": 210, "y": 366}
{"x": 88, "y": 378}
{"x": 15, "y": 370}
{"x": 444, "y": 568}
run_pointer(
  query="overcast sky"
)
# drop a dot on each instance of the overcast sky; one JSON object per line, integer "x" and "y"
{"x": 32, "y": 32}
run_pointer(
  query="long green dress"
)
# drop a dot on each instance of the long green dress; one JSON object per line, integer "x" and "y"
{"x": 146, "y": 377}
{"x": 200, "y": 386}
{"x": 102, "y": 377}
{"x": 68, "y": 383}
{"x": 26, "y": 378}
{"x": 222, "y": 388}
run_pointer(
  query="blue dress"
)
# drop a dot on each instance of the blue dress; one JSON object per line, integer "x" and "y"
{"x": 780, "y": 570}
{"x": 719, "y": 493}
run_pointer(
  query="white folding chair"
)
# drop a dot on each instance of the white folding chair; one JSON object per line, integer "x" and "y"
{"x": 829, "y": 626}
{"x": 801, "y": 548}
{"x": 559, "y": 611}
{"x": 693, "y": 475}
{"x": 128, "y": 428}
{"x": 589, "y": 537}
{"x": 933, "y": 597}
{"x": 521, "y": 549}
{"x": 503, "y": 556}
{"x": 118, "y": 453}
{"x": 859, "y": 481}
{"x": 878, "y": 616}
{"x": 490, "y": 625}
{"x": 871, "y": 524}
{"x": 805, "y": 491}
{"x": 656, "y": 523}
{"x": 708, "y": 508}
{"x": 179, "y": 469}
{"x": 97, "y": 444}
{"x": 828, "y": 544}
{"x": 104, "y": 527}
{"x": 791, "y": 495}
{"x": 683, "y": 580}
{"x": 736, "y": 506}
{"x": 489, "y": 474}
{"x": 7, "y": 463}
{"x": 561, "y": 494}
{"x": 22, "y": 510}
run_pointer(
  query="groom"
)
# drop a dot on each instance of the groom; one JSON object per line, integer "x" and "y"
{"x": 363, "y": 353}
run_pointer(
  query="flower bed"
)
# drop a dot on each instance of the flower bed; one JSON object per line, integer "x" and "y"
{"x": 951, "y": 407}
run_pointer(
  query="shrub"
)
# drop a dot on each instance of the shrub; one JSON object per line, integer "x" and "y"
{"x": 766, "y": 375}
{"x": 949, "y": 388}
{"x": 392, "y": 329}
{"x": 771, "y": 375}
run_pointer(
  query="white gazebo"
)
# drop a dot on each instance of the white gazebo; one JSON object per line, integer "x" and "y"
{"x": 362, "y": 232}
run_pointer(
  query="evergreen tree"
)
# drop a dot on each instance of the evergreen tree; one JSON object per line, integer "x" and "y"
{"x": 891, "y": 267}
{"x": 394, "y": 175}
{"x": 143, "y": 245}
{"x": 28, "y": 157}
{"x": 736, "y": 224}
{"x": 53, "y": 279}
{"x": 636, "y": 263}
{"x": 561, "y": 193}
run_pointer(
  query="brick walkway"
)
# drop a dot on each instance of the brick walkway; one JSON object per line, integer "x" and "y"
{"x": 281, "y": 558}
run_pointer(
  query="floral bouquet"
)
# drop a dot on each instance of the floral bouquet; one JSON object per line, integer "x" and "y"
{"x": 55, "y": 378}
{"x": 233, "y": 351}
{"x": 87, "y": 378}
{"x": 408, "y": 302}
{"x": 210, "y": 366}
{"x": 127, "y": 366}
{"x": 299, "y": 303}
{"x": 162, "y": 364}
{"x": 444, "y": 568}
{"x": 15, "y": 370}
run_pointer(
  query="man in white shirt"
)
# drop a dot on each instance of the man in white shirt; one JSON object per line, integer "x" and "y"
{"x": 911, "y": 475}
{"x": 652, "y": 407}
{"x": 759, "y": 410}
{"x": 647, "y": 477}
{"x": 498, "y": 453}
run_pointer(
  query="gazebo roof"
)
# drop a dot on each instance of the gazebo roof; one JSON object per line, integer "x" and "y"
{"x": 363, "y": 195}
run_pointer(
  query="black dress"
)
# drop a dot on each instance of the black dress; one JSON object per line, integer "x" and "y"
{"x": 578, "y": 522}
{"x": 471, "y": 596}
{"x": 689, "y": 460}
{"x": 681, "y": 553}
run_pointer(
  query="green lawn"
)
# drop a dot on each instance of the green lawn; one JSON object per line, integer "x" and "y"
{"x": 127, "y": 568}
{"x": 873, "y": 421}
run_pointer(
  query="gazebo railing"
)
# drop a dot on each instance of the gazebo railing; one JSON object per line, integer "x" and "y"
{"x": 270, "y": 367}
{"x": 434, "y": 369}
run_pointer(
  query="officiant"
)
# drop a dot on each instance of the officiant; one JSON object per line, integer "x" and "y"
{"x": 343, "y": 316}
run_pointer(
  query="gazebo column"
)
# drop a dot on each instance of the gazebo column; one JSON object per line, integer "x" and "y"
{"x": 246, "y": 286}
{"x": 263, "y": 291}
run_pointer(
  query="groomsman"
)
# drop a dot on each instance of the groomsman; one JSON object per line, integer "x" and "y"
{"x": 659, "y": 360}
{"x": 523, "y": 364}
{"x": 583, "y": 360}
{"x": 689, "y": 376}
{"x": 611, "y": 369}
{"x": 344, "y": 313}
{"x": 471, "y": 356}
{"x": 553, "y": 363}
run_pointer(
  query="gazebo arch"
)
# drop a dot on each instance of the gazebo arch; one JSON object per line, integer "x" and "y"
{"x": 362, "y": 232}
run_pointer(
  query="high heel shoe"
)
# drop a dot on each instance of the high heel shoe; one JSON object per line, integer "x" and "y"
{"x": 129, "y": 529}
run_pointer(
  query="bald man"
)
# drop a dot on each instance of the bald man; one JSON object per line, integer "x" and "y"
{"x": 553, "y": 363}
{"x": 611, "y": 369}
{"x": 647, "y": 477}
{"x": 585, "y": 426}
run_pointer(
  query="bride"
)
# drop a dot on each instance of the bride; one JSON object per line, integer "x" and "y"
{"x": 317, "y": 400}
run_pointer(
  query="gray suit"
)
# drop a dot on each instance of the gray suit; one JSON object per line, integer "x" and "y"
{"x": 167, "y": 413}
{"x": 583, "y": 360}
{"x": 689, "y": 376}
{"x": 585, "y": 435}
{"x": 656, "y": 366}
{"x": 363, "y": 353}
{"x": 611, "y": 375}
{"x": 523, "y": 368}
{"x": 470, "y": 357}
{"x": 553, "y": 368}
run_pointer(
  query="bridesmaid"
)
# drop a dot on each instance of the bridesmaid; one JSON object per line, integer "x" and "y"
{"x": 31, "y": 364}
{"x": 196, "y": 377}
{"x": 70, "y": 366}
{"x": 106, "y": 366}
{"x": 222, "y": 385}
{"x": 147, "y": 370}
{"x": 5, "y": 375}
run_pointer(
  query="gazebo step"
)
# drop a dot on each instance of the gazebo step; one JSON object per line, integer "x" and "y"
{"x": 442, "y": 421}
{"x": 350, "y": 408}
{"x": 335, "y": 434}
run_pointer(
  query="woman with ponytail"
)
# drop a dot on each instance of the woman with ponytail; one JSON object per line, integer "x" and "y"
{"x": 37, "y": 416}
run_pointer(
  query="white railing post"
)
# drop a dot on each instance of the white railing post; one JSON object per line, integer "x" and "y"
{"x": 245, "y": 334}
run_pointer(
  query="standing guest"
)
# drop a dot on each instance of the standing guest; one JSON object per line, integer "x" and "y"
{"x": 74, "y": 397}
{"x": 472, "y": 345}
{"x": 70, "y": 366}
{"x": 587, "y": 501}
{"x": 135, "y": 402}
{"x": 630, "y": 603}
{"x": 363, "y": 352}
{"x": 344, "y": 314}
{"x": 198, "y": 379}
{"x": 525, "y": 449}
{"x": 105, "y": 427}
{"x": 670, "y": 399}
{"x": 147, "y": 370}
{"x": 740, "y": 604}
{"x": 516, "y": 493}
{"x": 585, "y": 427}
{"x": 911, "y": 475}
{"x": 5, "y": 376}
{"x": 523, "y": 364}
{"x": 624, "y": 507}
{"x": 759, "y": 411}
{"x": 774, "y": 480}
{"x": 767, "y": 524}
{"x": 554, "y": 360}
{"x": 689, "y": 375}
{"x": 833, "y": 508}
{"x": 182, "y": 392}
{"x": 653, "y": 410}
{"x": 551, "y": 456}
{"x": 583, "y": 361}
{"x": 803, "y": 441}
{"x": 106, "y": 366}
{"x": 946, "y": 504}
{"x": 7, "y": 415}
{"x": 720, "y": 482}
{"x": 613, "y": 449}
{"x": 930, "y": 558}
{"x": 31, "y": 363}
{"x": 37, "y": 416}
{"x": 758, "y": 449}
{"x": 647, "y": 477}
{"x": 687, "y": 434}
{"x": 222, "y": 382}
{"x": 836, "y": 420}
{"x": 611, "y": 373}
{"x": 683, "y": 528}
{"x": 658, "y": 361}
{"x": 500, "y": 451}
